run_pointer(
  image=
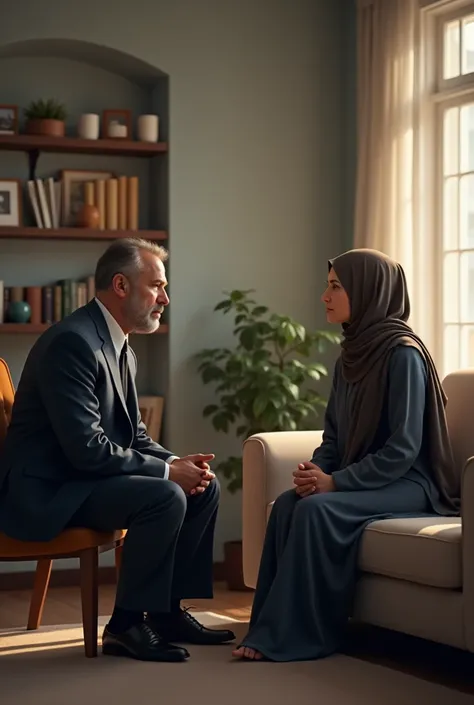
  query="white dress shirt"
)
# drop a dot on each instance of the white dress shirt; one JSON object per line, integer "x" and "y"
{"x": 118, "y": 339}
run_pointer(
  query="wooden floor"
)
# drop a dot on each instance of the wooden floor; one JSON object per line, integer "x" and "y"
{"x": 433, "y": 662}
{"x": 63, "y": 605}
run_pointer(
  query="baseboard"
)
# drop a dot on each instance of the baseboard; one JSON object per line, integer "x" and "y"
{"x": 71, "y": 577}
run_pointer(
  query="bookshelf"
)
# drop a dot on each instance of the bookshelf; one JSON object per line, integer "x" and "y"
{"x": 33, "y": 146}
{"x": 34, "y": 233}
{"x": 76, "y": 145}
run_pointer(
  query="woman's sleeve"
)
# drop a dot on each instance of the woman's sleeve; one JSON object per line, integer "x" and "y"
{"x": 406, "y": 406}
{"x": 326, "y": 456}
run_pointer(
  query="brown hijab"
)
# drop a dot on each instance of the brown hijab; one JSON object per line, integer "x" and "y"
{"x": 380, "y": 308}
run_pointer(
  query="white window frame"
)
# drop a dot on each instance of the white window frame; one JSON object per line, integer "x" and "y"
{"x": 443, "y": 94}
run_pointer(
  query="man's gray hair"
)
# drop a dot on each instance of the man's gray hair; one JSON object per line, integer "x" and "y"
{"x": 123, "y": 256}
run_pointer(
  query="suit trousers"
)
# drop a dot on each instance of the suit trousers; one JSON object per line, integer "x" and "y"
{"x": 168, "y": 550}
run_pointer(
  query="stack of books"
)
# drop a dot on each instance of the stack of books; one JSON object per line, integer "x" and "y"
{"x": 49, "y": 303}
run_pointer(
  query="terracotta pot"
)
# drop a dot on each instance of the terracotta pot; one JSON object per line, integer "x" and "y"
{"x": 46, "y": 127}
{"x": 88, "y": 217}
{"x": 233, "y": 567}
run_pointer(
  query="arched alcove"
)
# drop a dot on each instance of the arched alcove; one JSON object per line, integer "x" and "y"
{"x": 87, "y": 77}
{"x": 98, "y": 55}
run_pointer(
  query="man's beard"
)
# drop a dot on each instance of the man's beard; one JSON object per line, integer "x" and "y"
{"x": 141, "y": 320}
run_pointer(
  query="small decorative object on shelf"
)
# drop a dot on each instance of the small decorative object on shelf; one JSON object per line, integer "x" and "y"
{"x": 74, "y": 193}
{"x": 89, "y": 126}
{"x": 46, "y": 117}
{"x": 89, "y": 217}
{"x": 8, "y": 119}
{"x": 117, "y": 124}
{"x": 147, "y": 128}
{"x": 10, "y": 202}
{"x": 18, "y": 312}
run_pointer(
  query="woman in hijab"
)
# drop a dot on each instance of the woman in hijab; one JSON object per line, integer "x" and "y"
{"x": 385, "y": 453}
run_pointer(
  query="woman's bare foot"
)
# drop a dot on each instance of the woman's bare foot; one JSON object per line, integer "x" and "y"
{"x": 245, "y": 652}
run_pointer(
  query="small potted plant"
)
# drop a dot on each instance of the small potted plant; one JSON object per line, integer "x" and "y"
{"x": 265, "y": 383}
{"x": 45, "y": 117}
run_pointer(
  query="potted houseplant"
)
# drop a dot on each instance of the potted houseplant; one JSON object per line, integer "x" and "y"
{"x": 265, "y": 383}
{"x": 45, "y": 117}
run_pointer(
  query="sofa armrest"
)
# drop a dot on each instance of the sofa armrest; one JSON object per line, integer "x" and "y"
{"x": 467, "y": 496}
{"x": 269, "y": 459}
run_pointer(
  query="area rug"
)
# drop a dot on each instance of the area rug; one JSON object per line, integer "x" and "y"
{"x": 48, "y": 667}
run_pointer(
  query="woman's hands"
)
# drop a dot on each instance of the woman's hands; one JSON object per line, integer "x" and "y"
{"x": 310, "y": 479}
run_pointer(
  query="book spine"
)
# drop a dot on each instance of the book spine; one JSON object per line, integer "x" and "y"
{"x": 34, "y": 297}
{"x": 74, "y": 301}
{"x": 111, "y": 220}
{"x": 89, "y": 193}
{"x": 66, "y": 297}
{"x": 47, "y": 296}
{"x": 132, "y": 210}
{"x": 100, "y": 201}
{"x": 58, "y": 303}
{"x": 7, "y": 293}
{"x": 122, "y": 202}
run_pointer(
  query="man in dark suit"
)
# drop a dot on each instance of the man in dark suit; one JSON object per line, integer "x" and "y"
{"x": 78, "y": 454}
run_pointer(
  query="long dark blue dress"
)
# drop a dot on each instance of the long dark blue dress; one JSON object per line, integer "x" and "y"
{"x": 308, "y": 569}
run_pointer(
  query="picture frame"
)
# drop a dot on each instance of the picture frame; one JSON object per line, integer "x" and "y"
{"x": 117, "y": 124}
{"x": 8, "y": 119}
{"x": 151, "y": 411}
{"x": 11, "y": 211}
{"x": 73, "y": 181}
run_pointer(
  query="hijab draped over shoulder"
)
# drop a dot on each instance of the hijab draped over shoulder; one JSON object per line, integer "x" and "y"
{"x": 380, "y": 309}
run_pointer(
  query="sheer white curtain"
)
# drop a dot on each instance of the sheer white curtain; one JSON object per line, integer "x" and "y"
{"x": 394, "y": 206}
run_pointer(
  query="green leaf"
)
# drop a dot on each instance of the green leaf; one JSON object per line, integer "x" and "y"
{"x": 248, "y": 337}
{"x": 212, "y": 373}
{"x": 259, "y": 310}
{"x": 209, "y": 410}
{"x": 223, "y": 306}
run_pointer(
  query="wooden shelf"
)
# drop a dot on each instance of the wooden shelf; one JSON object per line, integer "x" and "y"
{"x": 41, "y": 327}
{"x": 78, "y": 234}
{"x": 72, "y": 145}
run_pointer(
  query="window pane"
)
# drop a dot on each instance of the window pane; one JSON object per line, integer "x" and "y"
{"x": 451, "y": 214}
{"x": 451, "y": 142}
{"x": 451, "y": 349}
{"x": 467, "y": 138}
{"x": 467, "y": 287}
{"x": 451, "y": 49}
{"x": 468, "y": 45}
{"x": 466, "y": 207}
{"x": 467, "y": 347}
{"x": 451, "y": 288}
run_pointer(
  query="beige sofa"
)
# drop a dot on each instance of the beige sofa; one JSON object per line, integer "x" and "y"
{"x": 417, "y": 575}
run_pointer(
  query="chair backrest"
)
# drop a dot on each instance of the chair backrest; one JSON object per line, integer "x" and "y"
{"x": 459, "y": 387}
{"x": 7, "y": 393}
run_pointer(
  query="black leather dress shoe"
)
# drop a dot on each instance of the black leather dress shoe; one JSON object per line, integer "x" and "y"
{"x": 185, "y": 629}
{"x": 143, "y": 643}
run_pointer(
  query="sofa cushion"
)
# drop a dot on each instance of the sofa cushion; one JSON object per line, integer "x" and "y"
{"x": 424, "y": 550}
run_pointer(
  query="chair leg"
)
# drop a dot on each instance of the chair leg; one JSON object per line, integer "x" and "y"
{"x": 118, "y": 560}
{"x": 40, "y": 588}
{"x": 89, "y": 566}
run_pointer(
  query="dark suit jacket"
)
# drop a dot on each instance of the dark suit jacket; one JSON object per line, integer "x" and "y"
{"x": 70, "y": 428}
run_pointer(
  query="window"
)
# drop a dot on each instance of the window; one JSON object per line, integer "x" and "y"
{"x": 454, "y": 99}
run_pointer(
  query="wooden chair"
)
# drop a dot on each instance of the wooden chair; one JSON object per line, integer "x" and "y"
{"x": 84, "y": 544}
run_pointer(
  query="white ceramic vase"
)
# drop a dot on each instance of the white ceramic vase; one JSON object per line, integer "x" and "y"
{"x": 88, "y": 128}
{"x": 148, "y": 128}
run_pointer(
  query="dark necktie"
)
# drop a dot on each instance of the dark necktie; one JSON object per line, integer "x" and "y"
{"x": 123, "y": 364}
